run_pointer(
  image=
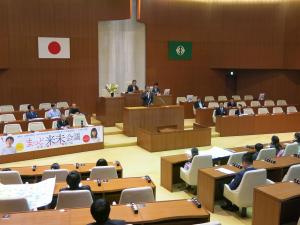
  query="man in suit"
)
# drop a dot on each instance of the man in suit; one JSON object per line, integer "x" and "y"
{"x": 199, "y": 104}
{"x": 221, "y": 111}
{"x": 231, "y": 103}
{"x": 100, "y": 210}
{"x": 239, "y": 110}
{"x": 63, "y": 123}
{"x": 74, "y": 110}
{"x": 31, "y": 114}
{"x": 147, "y": 97}
{"x": 132, "y": 87}
{"x": 247, "y": 164}
{"x": 155, "y": 89}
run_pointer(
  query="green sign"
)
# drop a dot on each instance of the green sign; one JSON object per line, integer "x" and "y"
{"x": 180, "y": 50}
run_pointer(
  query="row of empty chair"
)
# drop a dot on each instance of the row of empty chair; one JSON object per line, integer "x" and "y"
{"x": 264, "y": 111}
{"x": 267, "y": 103}
{"x": 221, "y": 98}
{"x": 24, "y": 107}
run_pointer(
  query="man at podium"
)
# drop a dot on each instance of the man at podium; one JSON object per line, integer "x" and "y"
{"x": 147, "y": 97}
{"x": 132, "y": 87}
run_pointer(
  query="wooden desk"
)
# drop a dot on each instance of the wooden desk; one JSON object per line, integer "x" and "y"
{"x": 162, "y": 141}
{"x": 132, "y": 99}
{"x": 163, "y": 100}
{"x": 204, "y": 117}
{"x": 112, "y": 189}
{"x": 276, "y": 204}
{"x": 27, "y": 173}
{"x": 165, "y": 212}
{"x": 188, "y": 109}
{"x": 150, "y": 118}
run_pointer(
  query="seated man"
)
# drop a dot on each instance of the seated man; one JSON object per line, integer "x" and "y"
{"x": 231, "y": 103}
{"x": 101, "y": 162}
{"x": 239, "y": 111}
{"x": 53, "y": 112}
{"x": 221, "y": 111}
{"x": 100, "y": 210}
{"x": 247, "y": 163}
{"x": 132, "y": 87}
{"x": 31, "y": 114}
{"x": 74, "y": 110}
{"x": 147, "y": 97}
{"x": 194, "y": 152}
{"x": 63, "y": 123}
{"x": 55, "y": 166}
{"x": 156, "y": 90}
{"x": 199, "y": 104}
{"x": 257, "y": 148}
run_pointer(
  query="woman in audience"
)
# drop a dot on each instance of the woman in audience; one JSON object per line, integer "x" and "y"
{"x": 31, "y": 114}
{"x": 101, "y": 162}
{"x": 275, "y": 143}
{"x": 257, "y": 148}
{"x": 55, "y": 166}
{"x": 194, "y": 152}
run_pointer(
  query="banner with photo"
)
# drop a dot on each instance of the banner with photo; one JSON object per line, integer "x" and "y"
{"x": 24, "y": 142}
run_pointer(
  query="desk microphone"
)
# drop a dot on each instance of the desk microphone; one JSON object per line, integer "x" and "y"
{"x": 297, "y": 155}
{"x": 237, "y": 165}
{"x": 117, "y": 163}
{"x": 297, "y": 180}
{"x": 134, "y": 208}
{"x": 77, "y": 165}
{"x": 99, "y": 182}
{"x": 148, "y": 179}
{"x": 196, "y": 202}
{"x": 33, "y": 168}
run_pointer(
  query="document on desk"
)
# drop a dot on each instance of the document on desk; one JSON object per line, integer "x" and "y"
{"x": 215, "y": 152}
{"x": 37, "y": 195}
{"x": 226, "y": 171}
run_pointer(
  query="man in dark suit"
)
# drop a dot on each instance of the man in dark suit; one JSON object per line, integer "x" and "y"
{"x": 147, "y": 97}
{"x": 221, "y": 111}
{"x": 231, "y": 103}
{"x": 247, "y": 163}
{"x": 31, "y": 114}
{"x": 63, "y": 122}
{"x": 239, "y": 110}
{"x": 132, "y": 87}
{"x": 199, "y": 104}
{"x": 100, "y": 210}
{"x": 155, "y": 89}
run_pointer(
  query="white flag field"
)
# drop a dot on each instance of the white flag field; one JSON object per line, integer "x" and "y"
{"x": 53, "y": 48}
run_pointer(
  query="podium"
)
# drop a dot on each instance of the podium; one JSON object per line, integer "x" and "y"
{"x": 150, "y": 118}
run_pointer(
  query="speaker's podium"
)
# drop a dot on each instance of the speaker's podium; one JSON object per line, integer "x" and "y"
{"x": 150, "y": 118}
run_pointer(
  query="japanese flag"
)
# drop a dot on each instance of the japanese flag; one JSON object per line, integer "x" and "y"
{"x": 53, "y": 48}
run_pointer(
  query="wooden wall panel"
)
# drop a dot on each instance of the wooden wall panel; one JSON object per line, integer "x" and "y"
{"x": 33, "y": 80}
{"x": 4, "y": 53}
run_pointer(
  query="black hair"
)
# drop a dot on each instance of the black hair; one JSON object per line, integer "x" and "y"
{"x": 29, "y": 106}
{"x": 55, "y": 166}
{"x": 52, "y": 105}
{"x": 240, "y": 105}
{"x": 247, "y": 158}
{"x": 133, "y": 81}
{"x": 276, "y": 143}
{"x": 9, "y": 138}
{"x": 73, "y": 179}
{"x": 155, "y": 84}
{"x": 101, "y": 162}
{"x": 100, "y": 210}
{"x": 297, "y": 137}
{"x": 258, "y": 147}
{"x": 194, "y": 152}
{"x": 94, "y": 130}
{"x": 6, "y": 169}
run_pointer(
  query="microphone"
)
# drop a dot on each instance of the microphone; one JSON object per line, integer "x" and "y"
{"x": 134, "y": 208}
{"x": 33, "y": 168}
{"x": 196, "y": 202}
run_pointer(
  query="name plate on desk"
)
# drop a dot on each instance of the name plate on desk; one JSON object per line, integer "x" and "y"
{"x": 50, "y": 139}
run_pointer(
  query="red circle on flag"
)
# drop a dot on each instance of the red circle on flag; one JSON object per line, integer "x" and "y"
{"x": 86, "y": 138}
{"x": 54, "y": 47}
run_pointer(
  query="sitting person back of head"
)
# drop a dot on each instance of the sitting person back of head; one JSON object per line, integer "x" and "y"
{"x": 194, "y": 152}
{"x": 275, "y": 143}
{"x": 100, "y": 210}
{"x": 257, "y": 148}
{"x": 101, "y": 162}
{"x": 55, "y": 166}
{"x": 297, "y": 140}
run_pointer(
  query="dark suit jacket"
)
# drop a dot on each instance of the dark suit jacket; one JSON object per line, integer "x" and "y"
{"x": 198, "y": 106}
{"x": 74, "y": 111}
{"x": 130, "y": 88}
{"x": 238, "y": 178}
{"x": 61, "y": 123}
{"x": 238, "y": 112}
{"x": 110, "y": 222}
{"x": 155, "y": 91}
{"x": 147, "y": 98}
{"x": 229, "y": 104}
{"x": 31, "y": 115}
{"x": 220, "y": 112}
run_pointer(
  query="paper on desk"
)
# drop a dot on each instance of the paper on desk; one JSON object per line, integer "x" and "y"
{"x": 37, "y": 195}
{"x": 215, "y": 152}
{"x": 226, "y": 171}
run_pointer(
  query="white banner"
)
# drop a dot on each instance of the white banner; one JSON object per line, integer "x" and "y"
{"x": 37, "y": 195}
{"x": 53, "y": 48}
{"x": 50, "y": 139}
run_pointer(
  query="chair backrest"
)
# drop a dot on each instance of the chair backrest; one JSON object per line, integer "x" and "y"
{"x": 137, "y": 195}
{"x": 74, "y": 199}
{"x": 213, "y": 105}
{"x": 269, "y": 103}
{"x": 277, "y": 110}
{"x": 10, "y": 177}
{"x": 281, "y": 102}
{"x": 23, "y": 107}
{"x": 77, "y": 120}
{"x": 292, "y": 173}
{"x": 14, "y": 205}
{"x": 62, "y": 105}
{"x": 266, "y": 153}
{"x": 291, "y": 149}
{"x": 45, "y": 105}
{"x": 231, "y": 112}
{"x": 236, "y": 97}
{"x": 222, "y": 98}
{"x": 7, "y": 108}
{"x": 250, "y": 180}
{"x": 12, "y": 128}
{"x": 194, "y": 98}
{"x": 54, "y": 124}
{"x": 291, "y": 109}
{"x": 180, "y": 99}
{"x": 209, "y": 98}
{"x": 236, "y": 158}
{"x": 103, "y": 172}
{"x": 243, "y": 103}
{"x": 248, "y": 97}
{"x": 255, "y": 103}
{"x": 249, "y": 111}
{"x": 214, "y": 116}
{"x": 60, "y": 174}
{"x": 24, "y": 116}
{"x": 36, "y": 126}
{"x": 199, "y": 162}
{"x": 7, "y": 118}
{"x": 262, "y": 111}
